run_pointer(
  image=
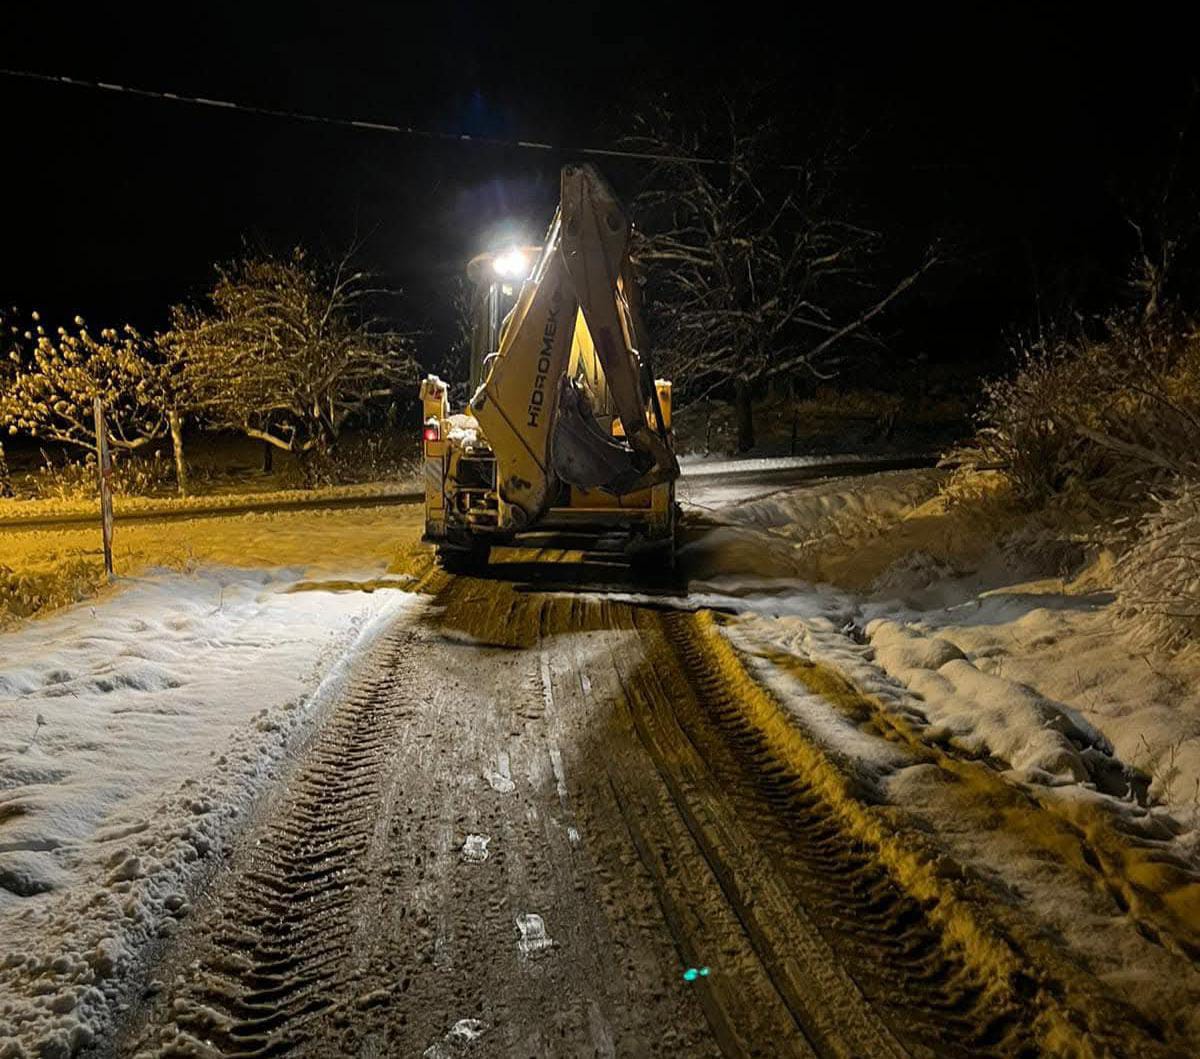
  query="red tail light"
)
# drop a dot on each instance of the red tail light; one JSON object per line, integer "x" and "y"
{"x": 432, "y": 431}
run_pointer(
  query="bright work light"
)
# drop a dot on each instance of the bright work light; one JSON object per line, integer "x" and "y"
{"x": 511, "y": 264}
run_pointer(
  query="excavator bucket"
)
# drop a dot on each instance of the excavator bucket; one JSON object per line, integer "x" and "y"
{"x": 582, "y": 454}
{"x": 595, "y": 241}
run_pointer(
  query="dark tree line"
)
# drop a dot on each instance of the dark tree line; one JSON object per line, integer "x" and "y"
{"x": 757, "y": 269}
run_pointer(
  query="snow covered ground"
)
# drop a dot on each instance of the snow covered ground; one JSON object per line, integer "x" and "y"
{"x": 950, "y": 644}
{"x": 42, "y": 568}
{"x": 137, "y": 730}
{"x": 1039, "y": 673}
{"x": 710, "y": 483}
{"x": 15, "y": 511}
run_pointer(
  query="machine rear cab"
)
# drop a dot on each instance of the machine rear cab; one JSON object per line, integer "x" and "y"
{"x": 567, "y": 430}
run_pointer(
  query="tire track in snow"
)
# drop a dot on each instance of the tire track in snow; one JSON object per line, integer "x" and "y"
{"x": 282, "y": 942}
{"x": 807, "y": 890}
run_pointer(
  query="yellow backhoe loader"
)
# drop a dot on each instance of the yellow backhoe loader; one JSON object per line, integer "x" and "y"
{"x": 567, "y": 429}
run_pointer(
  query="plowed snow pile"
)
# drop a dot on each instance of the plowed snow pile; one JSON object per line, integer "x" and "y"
{"x": 134, "y": 735}
{"x": 1041, "y": 675}
{"x": 899, "y": 605}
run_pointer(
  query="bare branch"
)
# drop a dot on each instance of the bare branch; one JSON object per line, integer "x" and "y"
{"x": 287, "y": 350}
{"x": 809, "y": 357}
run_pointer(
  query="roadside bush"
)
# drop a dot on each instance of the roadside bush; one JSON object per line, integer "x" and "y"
{"x": 1100, "y": 436}
{"x": 375, "y": 458}
{"x": 1098, "y": 421}
{"x": 78, "y": 480}
{"x": 25, "y": 593}
{"x": 1158, "y": 576}
{"x": 358, "y": 459}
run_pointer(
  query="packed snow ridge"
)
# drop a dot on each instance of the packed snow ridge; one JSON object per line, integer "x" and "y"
{"x": 134, "y": 736}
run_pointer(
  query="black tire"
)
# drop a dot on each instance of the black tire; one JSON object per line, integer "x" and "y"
{"x": 465, "y": 560}
{"x": 654, "y": 559}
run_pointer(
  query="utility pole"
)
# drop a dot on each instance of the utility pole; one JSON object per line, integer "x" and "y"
{"x": 104, "y": 465}
{"x": 5, "y": 478}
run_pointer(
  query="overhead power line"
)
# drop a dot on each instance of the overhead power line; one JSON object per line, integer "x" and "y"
{"x": 352, "y": 123}
{"x": 392, "y": 129}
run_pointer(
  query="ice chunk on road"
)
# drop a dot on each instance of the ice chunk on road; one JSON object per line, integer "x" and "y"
{"x": 458, "y": 1039}
{"x": 534, "y": 938}
{"x": 475, "y": 849}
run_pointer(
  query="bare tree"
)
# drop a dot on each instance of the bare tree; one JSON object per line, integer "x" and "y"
{"x": 1166, "y": 222}
{"x": 454, "y": 363}
{"x": 755, "y": 270}
{"x": 286, "y": 350}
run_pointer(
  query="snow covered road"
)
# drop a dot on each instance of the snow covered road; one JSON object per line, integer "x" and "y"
{"x": 133, "y": 736}
{"x": 542, "y": 825}
{"x": 557, "y": 810}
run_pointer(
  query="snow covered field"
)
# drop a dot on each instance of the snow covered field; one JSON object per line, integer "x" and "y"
{"x": 42, "y": 568}
{"x": 137, "y": 730}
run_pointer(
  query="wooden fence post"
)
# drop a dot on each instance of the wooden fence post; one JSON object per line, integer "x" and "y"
{"x": 104, "y": 465}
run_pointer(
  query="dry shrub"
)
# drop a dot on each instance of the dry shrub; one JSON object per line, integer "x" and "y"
{"x": 914, "y": 571}
{"x": 357, "y": 459}
{"x": 26, "y": 593}
{"x": 1054, "y": 542}
{"x": 1094, "y": 422}
{"x": 143, "y": 475}
{"x": 1158, "y": 576}
{"x": 382, "y": 457}
{"x": 970, "y": 487}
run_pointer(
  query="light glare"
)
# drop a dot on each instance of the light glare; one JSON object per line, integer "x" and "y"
{"x": 512, "y": 264}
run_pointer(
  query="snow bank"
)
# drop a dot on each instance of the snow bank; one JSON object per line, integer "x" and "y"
{"x": 725, "y": 485}
{"x": 696, "y": 464}
{"x": 983, "y": 713}
{"x": 133, "y": 736}
{"x": 959, "y": 687}
{"x": 814, "y": 533}
{"x": 931, "y": 617}
{"x": 838, "y": 507}
{"x": 1090, "y": 672}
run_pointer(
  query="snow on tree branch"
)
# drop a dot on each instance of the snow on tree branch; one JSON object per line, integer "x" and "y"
{"x": 285, "y": 350}
{"x": 53, "y": 381}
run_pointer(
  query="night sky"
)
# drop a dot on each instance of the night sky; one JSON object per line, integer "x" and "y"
{"x": 1019, "y": 137}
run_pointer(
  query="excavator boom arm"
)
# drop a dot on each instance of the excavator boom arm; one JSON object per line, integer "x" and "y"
{"x": 540, "y": 424}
